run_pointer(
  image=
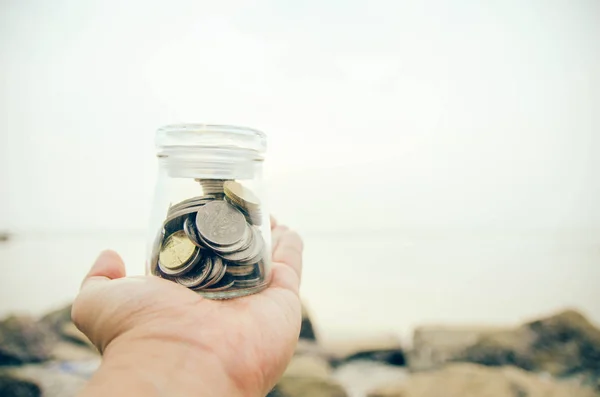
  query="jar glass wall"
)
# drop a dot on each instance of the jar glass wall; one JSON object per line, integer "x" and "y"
{"x": 210, "y": 227}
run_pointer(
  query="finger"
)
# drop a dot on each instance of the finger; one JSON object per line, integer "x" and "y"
{"x": 108, "y": 266}
{"x": 276, "y": 235}
{"x": 273, "y": 222}
{"x": 288, "y": 249}
{"x": 283, "y": 276}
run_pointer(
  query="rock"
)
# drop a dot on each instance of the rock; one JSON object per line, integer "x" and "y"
{"x": 388, "y": 356}
{"x": 71, "y": 333}
{"x": 308, "y": 375}
{"x": 50, "y": 380}
{"x": 311, "y": 348}
{"x": 561, "y": 345}
{"x": 434, "y": 346}
{"x": 67, "y": 351}
{"x": 384, "y": 348}
{"x": 358, "y": 377}
{"x": 307, "y": 387}
{"x": 24, "y": 340}
{"x": 13, "y": 386}
{"x": 308, "y": 367}
{"x": 472, "y": 380}
{"x": 60, "y": 322}
{"x": 57, "y": 318}
{"x": 275, "y": 393}
{"x": 307, "y": 330}
{"x": 4, "y": 237}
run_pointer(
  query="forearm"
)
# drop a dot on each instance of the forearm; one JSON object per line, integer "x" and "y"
{"x": 160, "y": 369}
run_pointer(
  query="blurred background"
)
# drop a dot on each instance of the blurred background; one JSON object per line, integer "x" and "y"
{"x": 440, "y": 160}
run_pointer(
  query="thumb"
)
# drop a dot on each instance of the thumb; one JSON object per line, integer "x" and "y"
{"x": 108, "y": 266}
{"x": 87, "y": 306}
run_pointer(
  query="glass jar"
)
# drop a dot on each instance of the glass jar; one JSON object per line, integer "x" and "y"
{"x": 210, "y": 226}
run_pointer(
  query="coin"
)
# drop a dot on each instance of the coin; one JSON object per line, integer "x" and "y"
{"x": 176, "y": 251}
{"x": 256, "y": 256}
{"x": 219, "y": 270}
{"x": 223, "y": 285}
{"x": 255, "y": 218}
{"x": 194, "y": 201}
{"x": 245, "y": 283}
{"x": 194, "y": 277}
{"x": 241, "y": 194}
{"x": 189, "y": 227}
{"x": 179, "y": 213}
{"x": 173, "y": 225}
{"x": 194, "y": 260}
{"x": 241, "y": 271}
{"x": 212, "y": 186}
{"x": 220, "y": 223}
{"x": 207, "y": 263}
{"x": 251, "y": 254}
{"x": 253, "y": 215}
{"x": 224, "y": 249}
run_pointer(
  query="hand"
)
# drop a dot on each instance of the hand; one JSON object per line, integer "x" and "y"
{"x": 159, "y": 338}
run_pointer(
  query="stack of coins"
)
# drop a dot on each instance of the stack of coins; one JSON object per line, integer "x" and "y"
{"x": 212, "y": 242}
{"x": 212, "y": 186}
{"x": 244, "y": 200}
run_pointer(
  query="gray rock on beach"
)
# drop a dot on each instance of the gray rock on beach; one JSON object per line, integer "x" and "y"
{"x": 307, "y": 331}
{"x": 47, "y": 380}
{"x": 24, "y": 340}
{"x": 11, "y": 385}
{"x": 473, "y": 380}
{"x": 308, "y": 375}
{"x": 562, "y": 345}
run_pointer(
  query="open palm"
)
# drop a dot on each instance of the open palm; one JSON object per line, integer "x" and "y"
{"x": 252, "y": 338}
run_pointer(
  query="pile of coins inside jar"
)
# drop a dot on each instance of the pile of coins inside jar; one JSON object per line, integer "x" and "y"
{"x": 212, "y": 242}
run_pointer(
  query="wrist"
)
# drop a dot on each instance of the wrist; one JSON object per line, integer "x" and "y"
{"x": 145, "y": 366}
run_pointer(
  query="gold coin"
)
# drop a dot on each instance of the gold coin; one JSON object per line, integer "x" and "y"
{"x": 241, "y": 195}
{"x": 176, "y": 251}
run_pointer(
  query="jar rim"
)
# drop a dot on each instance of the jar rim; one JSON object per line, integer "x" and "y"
{"x": 197, "y": 135}
{"x": 199, "y": 128}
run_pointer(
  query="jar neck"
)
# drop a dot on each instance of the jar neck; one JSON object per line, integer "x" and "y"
{"x": 217, "y": 162}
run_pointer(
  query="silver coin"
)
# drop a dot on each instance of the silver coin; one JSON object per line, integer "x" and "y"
{"x": 220, "y": 223}
{"x": 173, "y": 225}
{"x": 225, "y": 284}
{"x": 259, "y": 249}
{"x": 194, "y": 277}
{"x": 241, "y": 271}
{"x": 219, "y": 270}
{"x": 179, "y": 213}
{"x": 194, "y": 201}
{"x": 245, "y": 283}
{"x": 255, "y": 219}
{"x": 253, "y": 215}
{"x": 212, "y": 186}
{"x": 189, "y": 227}
{"x": 225, "y": 249}
{"x": 250, "y": 255}
{"x": 213, "y": 273}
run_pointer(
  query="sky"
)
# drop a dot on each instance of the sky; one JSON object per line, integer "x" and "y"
{"x": 424, "y": 116}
